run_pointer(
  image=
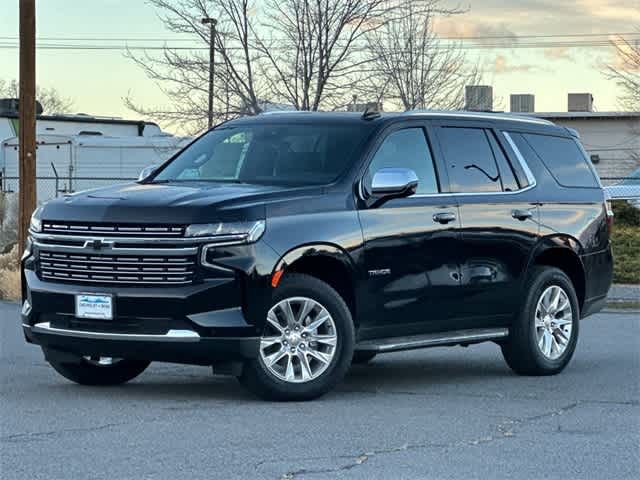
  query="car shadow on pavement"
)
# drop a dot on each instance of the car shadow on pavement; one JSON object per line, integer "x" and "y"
{"x": 386, "y": 373}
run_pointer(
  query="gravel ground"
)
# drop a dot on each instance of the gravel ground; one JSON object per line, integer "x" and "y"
{"x": 443, "y": 413}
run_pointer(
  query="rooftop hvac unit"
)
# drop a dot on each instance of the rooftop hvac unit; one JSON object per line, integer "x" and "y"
{"x": 523, "y": 103}
{"x": 479, "y": 98}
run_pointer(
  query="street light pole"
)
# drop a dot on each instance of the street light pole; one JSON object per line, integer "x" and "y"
{"x": 212, "y": 22}
{"x": 27, "y": 120}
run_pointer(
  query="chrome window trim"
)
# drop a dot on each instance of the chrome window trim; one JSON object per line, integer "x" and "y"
{"x": 523, "y": 163}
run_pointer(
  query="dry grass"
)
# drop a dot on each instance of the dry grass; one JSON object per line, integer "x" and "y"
{"x": 10, "y": 275}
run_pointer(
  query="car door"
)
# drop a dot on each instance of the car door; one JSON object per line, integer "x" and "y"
{"x": 499, "y": 220}
{"x": 410, "y": 243}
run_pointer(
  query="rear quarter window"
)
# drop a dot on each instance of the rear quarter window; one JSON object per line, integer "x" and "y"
{"x": 564, "y": 160}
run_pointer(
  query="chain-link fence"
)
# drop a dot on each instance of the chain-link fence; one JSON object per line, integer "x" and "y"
{"x": 622, "y": 188}
{"x": 52, "y": 187}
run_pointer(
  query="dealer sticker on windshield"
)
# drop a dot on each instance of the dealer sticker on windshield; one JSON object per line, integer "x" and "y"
{"x": 94, "y": 306}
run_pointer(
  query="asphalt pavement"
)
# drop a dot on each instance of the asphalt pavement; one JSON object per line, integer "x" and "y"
{"x": 445, "y": 413}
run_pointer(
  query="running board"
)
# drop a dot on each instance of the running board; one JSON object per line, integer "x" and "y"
{"x": 432, "y": 340}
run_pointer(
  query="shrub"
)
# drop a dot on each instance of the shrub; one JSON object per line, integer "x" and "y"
{"x": 10, "y": 275}
{"x": 626, "y": 214}
{"x": 625, "y": 243}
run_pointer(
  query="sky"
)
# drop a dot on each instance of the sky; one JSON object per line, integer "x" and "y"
{"x": 97, "y": 81}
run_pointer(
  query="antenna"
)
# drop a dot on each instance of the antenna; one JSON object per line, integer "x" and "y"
{"x": 371, "y": 112}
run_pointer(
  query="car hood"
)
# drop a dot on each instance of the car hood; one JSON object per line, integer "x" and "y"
{"x": 177, "y": 203}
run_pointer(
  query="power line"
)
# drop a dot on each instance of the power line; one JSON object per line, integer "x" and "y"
{"x": 442, "y": 37}
{"x": 481, "y": 46}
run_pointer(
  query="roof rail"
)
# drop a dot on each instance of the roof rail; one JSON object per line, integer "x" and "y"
{"x": 485, "y": 115}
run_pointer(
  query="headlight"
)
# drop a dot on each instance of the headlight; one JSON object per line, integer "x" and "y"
{"x": 35, "y": 225}
{"x": 234, "y": 232}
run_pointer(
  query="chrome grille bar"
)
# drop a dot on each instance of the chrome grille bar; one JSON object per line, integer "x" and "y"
{"x": 116, "y": 269}
{"x": 119, "y": 230}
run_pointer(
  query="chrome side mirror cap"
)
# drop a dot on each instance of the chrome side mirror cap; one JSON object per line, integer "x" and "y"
{"x": 394, "y": 182}
{"x": 146, "y": 171}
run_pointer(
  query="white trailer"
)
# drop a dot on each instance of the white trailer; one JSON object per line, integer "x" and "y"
{"x": 71, "y": 163}
{"x": 80, "y": 125}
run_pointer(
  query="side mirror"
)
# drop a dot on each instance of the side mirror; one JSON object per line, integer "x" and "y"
{"x": 146, "y": 171}
{"x": 394, "y": 183}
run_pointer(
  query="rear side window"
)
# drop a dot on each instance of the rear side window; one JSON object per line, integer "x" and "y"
{"x": 407, "y": 148}
{"x": 507, "y": 175}
{"x": 470, "y": 162}
{"x": 563, "y": 158}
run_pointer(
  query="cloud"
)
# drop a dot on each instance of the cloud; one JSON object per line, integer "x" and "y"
{"x": 456, "y": 27}
{"x": 502, "y": 65}
{"x": 605, "y": 9}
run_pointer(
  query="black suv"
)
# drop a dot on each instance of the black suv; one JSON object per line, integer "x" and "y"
{"x": 283, "y": 248}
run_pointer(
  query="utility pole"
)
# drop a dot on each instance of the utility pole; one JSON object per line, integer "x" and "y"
{"x": 212, "y": 22}
{"x": 27, "y": 123}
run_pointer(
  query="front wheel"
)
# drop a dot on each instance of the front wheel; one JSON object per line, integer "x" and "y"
{"x": 307, "y": 343}
{"x": 544, "y": 336}
{"x": 100, "y": 370}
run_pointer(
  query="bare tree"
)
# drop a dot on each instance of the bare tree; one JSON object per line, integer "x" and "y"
{"x": 50, "y": 99}
{"x": 183, "y": 75}
{"x": 316, "y": 56}
{"x": 413, "y": 67}
{"x": 626, "y": 72}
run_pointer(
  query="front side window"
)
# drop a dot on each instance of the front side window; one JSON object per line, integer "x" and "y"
{"x": 407, "y": 148}
{"x": 283, "y": 154}
{"x": 470, "y": 161}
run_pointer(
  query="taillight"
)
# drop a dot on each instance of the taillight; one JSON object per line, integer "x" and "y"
{"x": 609, "y": 209}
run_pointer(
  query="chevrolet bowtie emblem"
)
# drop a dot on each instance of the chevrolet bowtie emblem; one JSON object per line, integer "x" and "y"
{"x": 98, "y": 244}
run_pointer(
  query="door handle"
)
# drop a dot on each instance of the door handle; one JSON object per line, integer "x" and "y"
{"x": 444, "y": 217}
{"x": 522, "y": 215}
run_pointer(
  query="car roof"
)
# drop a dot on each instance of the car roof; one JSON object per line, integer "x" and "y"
{"x": 375, "y": 118}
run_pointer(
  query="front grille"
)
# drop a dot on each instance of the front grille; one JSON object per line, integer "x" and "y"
{"x": 106, "y": 229}
{"x": 116, "y": 269}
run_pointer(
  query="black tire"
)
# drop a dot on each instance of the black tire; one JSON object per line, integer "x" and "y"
{"x": 360, "y": 358}
{"x": 257, "y": 378}
{"x": 85, "y": 372}
{"x": 521, "y": 350}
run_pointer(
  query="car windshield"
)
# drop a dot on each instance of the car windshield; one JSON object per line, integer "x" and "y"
{"x": 302, "y": 154}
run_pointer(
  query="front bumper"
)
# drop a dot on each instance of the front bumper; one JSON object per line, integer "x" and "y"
{"x": 201, "y": 323}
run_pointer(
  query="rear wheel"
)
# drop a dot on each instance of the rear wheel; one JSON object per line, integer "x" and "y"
{"x": 307, "y": 343}
{"x": 100, "y": 370}
{"x": 544, "y": 336}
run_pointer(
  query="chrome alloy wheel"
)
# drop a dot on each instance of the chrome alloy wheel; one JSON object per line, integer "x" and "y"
{"x": 299, "y": 340}
{"x": 554, "y": 320}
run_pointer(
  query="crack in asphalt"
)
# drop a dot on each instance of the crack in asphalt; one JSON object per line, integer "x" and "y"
{"x": 35, "y": 436}
{"x": 504, "y": 429}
